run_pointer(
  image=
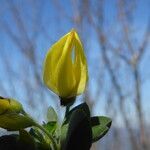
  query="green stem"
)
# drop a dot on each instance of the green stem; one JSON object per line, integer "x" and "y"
{"x": 69, "y": 105}
{"x": 67, "y": 110}
{"x": 54, "y": 145}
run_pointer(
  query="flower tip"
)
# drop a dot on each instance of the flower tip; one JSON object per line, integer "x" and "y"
{"x": 73, "y": 31}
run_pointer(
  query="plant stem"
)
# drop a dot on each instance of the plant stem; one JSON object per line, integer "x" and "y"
{"x": 69, "y": 105}
{"x": 67, "y": 110}
{"x": 54, "y": 145}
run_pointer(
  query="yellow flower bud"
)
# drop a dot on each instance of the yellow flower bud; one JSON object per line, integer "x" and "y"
{"x": 65, "y": 67}
{"x": 9, "y": 106}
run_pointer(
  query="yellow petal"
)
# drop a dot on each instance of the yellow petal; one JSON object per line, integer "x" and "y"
{"x": 81, "y": 66}
{"x": 52, "y": 57}
{"x": 64, "y": 70}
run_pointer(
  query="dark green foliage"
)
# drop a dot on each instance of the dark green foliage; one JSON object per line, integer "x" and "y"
{"x": 76, "y": 130}
{"x": 12, "y": 142}
{"x": 79, "y": 135}
{"x": 84, "y": 107}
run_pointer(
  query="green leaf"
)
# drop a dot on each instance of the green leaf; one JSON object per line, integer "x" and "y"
{"x": 50, "y": 126}
{"x": 42, "y": 141}
{"x": 12, "y": 142}
{"x": 51, "y": 115}
{"x": 84, "y": 107}
{"x": 26, "y": 138}
{"x": 15, "y": 122}
{"x": 64, "y": 131}
{"x": 100, "y": 126}
{"x": 37, "y": 134}
{"x": 79, "y": 133}
{"x": 9, "y": 142}
{"x": 41, "y": 146}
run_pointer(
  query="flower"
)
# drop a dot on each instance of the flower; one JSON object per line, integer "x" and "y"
{"x": 65, "y": 67}
{"x": 9, "y": 106}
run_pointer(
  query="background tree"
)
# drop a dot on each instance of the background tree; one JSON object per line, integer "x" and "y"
{"x": 116, "y": 36}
